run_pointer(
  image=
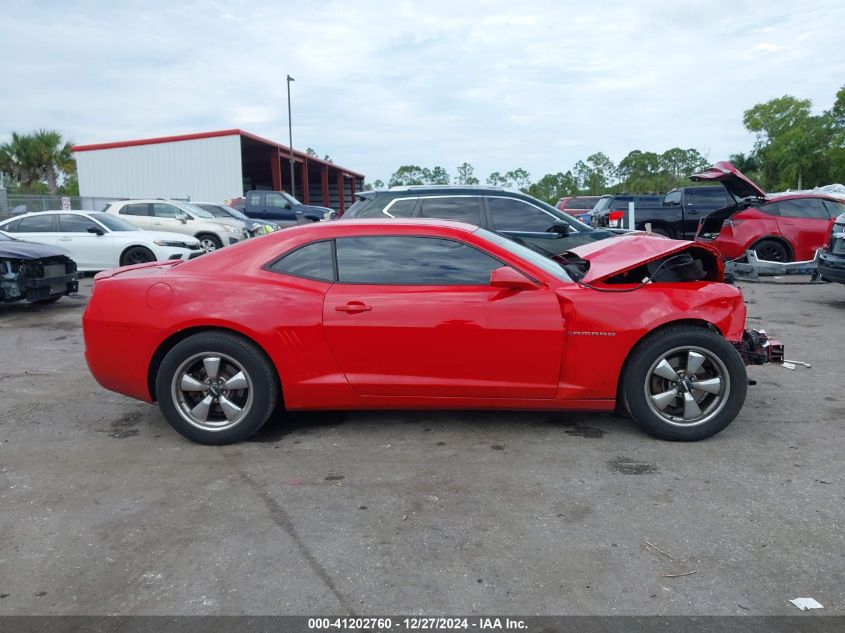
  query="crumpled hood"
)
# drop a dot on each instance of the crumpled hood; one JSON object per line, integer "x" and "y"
{"x": 737, "y": 183}
{"x": 17, "y": 249}
{"x": 617, "y": 254}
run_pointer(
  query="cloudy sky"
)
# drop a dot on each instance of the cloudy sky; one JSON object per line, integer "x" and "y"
{"x": 501, "y": 85}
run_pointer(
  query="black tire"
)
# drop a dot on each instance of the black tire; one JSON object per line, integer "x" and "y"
{"x": 49, "y": 300}
{"x": 772, "y": 251}
{"x": 136, "y": 255}
{"x": 235, "y": 354}
{"x": 674, "y": 344}
{"x": 209, "y": 242}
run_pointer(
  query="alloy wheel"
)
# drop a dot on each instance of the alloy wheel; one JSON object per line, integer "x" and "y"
{"x": 208, "y": 244}
{"x": 687, "y": 386}
{"x": 212, "y": 391}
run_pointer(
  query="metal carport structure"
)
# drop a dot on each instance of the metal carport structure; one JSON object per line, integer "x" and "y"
{"x": 212, "y": 166}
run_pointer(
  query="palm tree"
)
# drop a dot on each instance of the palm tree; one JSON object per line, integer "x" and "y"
{"x": 19, "y": 158}
{"x": 30, "y": 158}
{"x": 53, "y": 156}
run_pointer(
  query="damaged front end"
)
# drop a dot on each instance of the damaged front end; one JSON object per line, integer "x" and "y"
{"x": 756, "y": 348}
{"x": 37, "y": 280}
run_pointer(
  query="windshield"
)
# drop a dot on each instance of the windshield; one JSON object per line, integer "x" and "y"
{"x": 113, "y": 223}
{"x": 290, "y": 198}
{"x": 215, "y": 210}
{"x": 523, "y": 252}
{"x": 602, "y": 204}
{"x": 197, "y": 211}
{"x": 235, "y": 213}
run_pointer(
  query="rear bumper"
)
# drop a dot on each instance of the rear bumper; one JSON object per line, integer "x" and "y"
{"x": 756, "y": 348}
{"x": 831, "y": 267}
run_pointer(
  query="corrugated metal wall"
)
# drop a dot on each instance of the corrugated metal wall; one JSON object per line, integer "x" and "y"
{"x": 201, "y": 169}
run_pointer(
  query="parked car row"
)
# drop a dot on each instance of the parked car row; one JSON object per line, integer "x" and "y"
{"x": 97, "y": 240}
{"x": 735, "y": 217}
{"x": 780, "y": 228}
{"x": 136, "y": 231}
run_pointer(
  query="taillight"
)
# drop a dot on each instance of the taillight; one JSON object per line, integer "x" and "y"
{"x": 615, "y": 218}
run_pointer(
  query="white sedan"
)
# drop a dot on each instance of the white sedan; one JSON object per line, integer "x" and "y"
{"x": 98, "y": 241}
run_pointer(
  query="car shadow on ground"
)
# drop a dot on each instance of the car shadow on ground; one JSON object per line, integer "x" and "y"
{"x": 299, "y": 423}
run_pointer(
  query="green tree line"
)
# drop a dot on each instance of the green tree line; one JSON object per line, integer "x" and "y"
{"x": 39, "y": 163}
{"x": 793, "y": 149}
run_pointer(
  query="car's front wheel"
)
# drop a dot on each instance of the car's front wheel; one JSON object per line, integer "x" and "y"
{"x": 684, "y": 383}
{"x": 216, "y": 388}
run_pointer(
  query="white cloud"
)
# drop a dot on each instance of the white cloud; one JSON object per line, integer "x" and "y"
{"x": 436, "y": 82}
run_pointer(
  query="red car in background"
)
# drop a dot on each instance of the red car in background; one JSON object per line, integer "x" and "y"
{"x": 578, "y": 207}
{"x": 780, "y": 228}
{"x": 396, "y": 314}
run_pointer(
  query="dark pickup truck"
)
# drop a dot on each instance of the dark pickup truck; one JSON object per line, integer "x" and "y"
{"x": 281, "y": 207}
{"x": 675, "y": 216}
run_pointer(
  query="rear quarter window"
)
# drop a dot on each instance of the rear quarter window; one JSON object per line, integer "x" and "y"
{"x": 312, "y": 261}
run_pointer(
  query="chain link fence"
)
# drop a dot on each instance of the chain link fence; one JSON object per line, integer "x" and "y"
{"x": 15, "y": 204}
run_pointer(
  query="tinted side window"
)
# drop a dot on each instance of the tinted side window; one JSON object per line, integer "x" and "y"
{"x": 772, "y": 209}
{"x": 161, "y": 210}
{"x": 313, "y": 260}
{"x": 803, "y": 208}
{"x": 581, "y": 203}
{"x": 11, "y": 227}
{"x": 412, "y": 261}
{"x": 834, "y": 208}
{"x": 70, "y": 223}
{"x": 709, "y": 198}
{"x": 514, "y": 215}
{"x": 36, "y": 224}
{"x": 463, "y": 209}
{"x": 672, "y": 198}
{"x": 135, "y": 209}
{"x": 253, "y": 199}
{"x": 275, "y": 200}
{"x": 401, "y": 208}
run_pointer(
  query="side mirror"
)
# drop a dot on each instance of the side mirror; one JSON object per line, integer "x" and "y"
{"x": 184, "y": 218}
{"x": 510, "y": 279}
{"x": 287, "y": 205}
{"x": 561, "y": 228}
{"x": 96, "y": 230}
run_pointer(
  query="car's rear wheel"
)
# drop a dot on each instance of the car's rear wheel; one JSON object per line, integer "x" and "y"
{"x": 684, "y": 383}
{"x": 216, "y": 388}
{"x": 771, "y": 251}
{"x": 209, "y": 242}
{"x": 136, "y": 255}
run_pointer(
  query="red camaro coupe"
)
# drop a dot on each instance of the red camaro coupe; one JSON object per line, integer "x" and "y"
{"x": 426, "y": 314}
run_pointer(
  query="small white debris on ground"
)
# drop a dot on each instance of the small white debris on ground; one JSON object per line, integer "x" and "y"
{"x": 806, "y": 603}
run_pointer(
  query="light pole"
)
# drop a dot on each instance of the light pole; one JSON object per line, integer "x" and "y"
{"x": 290, "y": 138}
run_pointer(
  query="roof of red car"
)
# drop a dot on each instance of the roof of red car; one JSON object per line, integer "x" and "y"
{"x": 434, "y": 222}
